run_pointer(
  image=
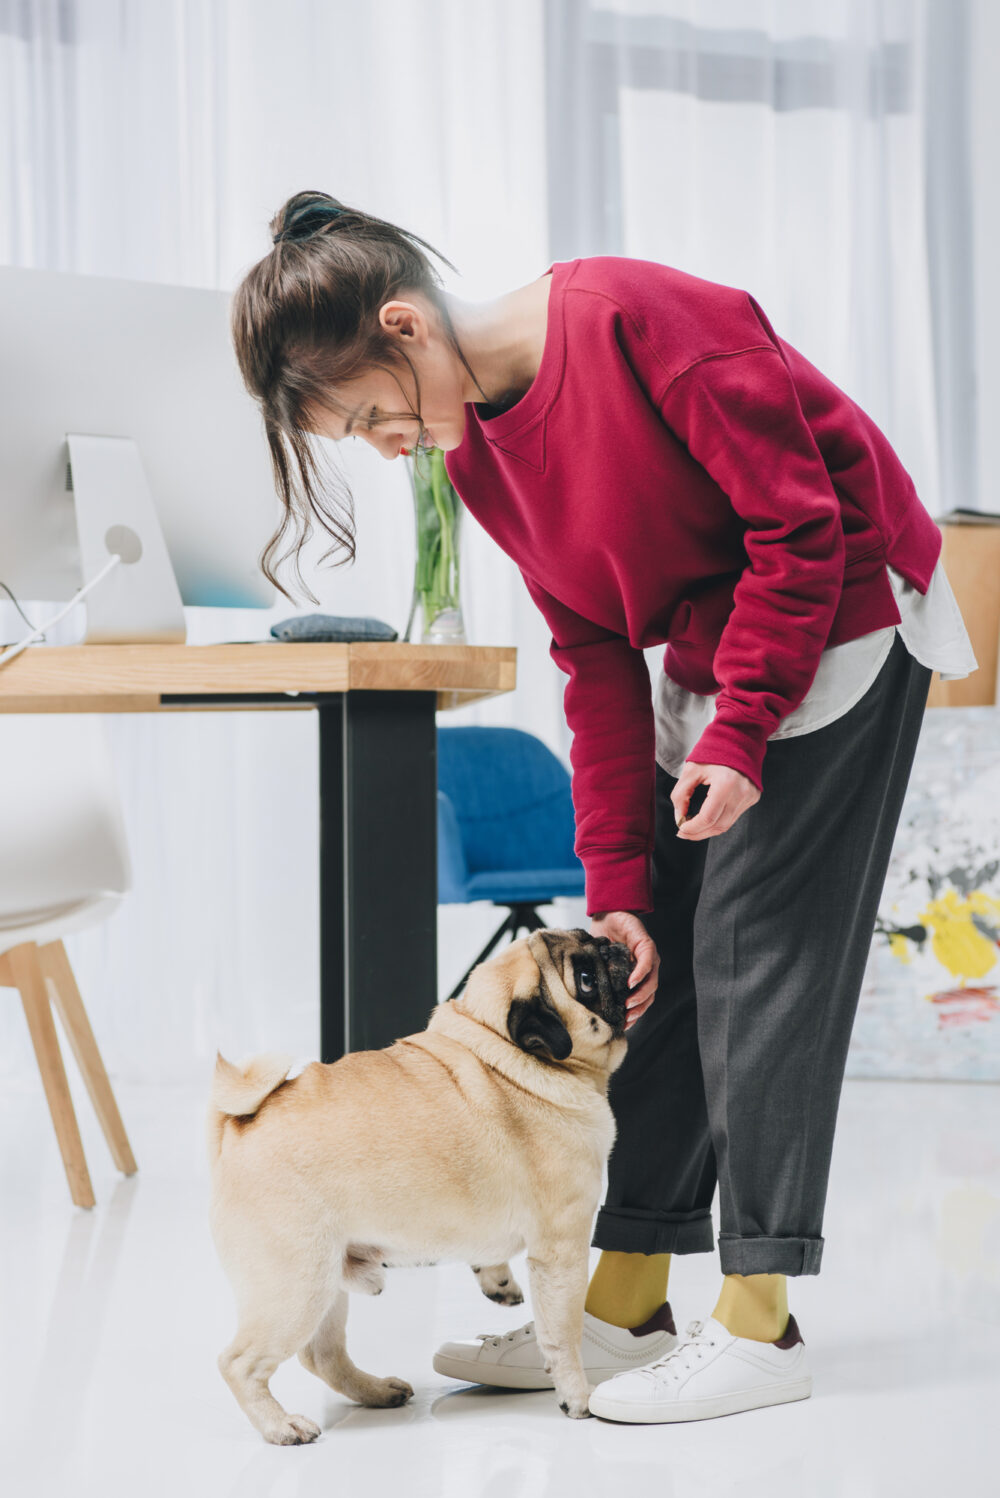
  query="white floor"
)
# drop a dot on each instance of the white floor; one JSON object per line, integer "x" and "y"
{"x": 111, "y": 1321}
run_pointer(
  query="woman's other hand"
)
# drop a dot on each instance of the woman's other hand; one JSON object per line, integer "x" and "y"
{"x": 729, "y": 796}
{"x": 626, "y": 927}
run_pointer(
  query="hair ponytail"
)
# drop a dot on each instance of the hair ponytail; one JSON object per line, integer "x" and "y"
{"x": 304, "y": 215}
{"x": 305, "y": 319}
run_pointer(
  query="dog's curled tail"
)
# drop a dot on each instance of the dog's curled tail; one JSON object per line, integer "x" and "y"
{"x": 238, "y": 1090}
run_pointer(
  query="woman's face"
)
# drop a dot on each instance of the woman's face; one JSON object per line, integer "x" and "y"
{"x": 380, "y": 406}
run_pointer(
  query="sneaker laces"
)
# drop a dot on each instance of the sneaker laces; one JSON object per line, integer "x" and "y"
{"x": 493, "y": 1339}
{"x": 673, "y": 1365}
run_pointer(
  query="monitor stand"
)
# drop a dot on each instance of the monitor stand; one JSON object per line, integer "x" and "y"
{"x": 140, "y": 599}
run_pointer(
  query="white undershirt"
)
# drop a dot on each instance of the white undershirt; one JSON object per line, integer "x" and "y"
{"x": 932, "y": 630}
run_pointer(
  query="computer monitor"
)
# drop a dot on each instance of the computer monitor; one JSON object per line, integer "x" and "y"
{"x": 153, "y": 367}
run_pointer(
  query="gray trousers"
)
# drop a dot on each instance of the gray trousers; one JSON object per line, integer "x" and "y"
{"x": 733, "y": 1075}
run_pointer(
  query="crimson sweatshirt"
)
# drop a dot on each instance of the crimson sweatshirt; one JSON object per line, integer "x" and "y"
{"x": 678, "y": 475}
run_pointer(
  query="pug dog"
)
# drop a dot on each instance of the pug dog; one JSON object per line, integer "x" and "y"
{"x": 482, "y": 1135}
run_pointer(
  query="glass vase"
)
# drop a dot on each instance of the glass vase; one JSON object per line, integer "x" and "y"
{"x": 436, "y": 609}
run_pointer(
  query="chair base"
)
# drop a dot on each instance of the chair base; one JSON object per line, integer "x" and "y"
{"x": 522, "y": 914}
{"x": 42, "y": 974}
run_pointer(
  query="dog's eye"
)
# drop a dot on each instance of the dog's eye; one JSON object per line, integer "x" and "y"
{"x": 585, "y": 980}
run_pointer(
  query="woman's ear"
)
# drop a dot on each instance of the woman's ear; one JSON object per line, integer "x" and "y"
{"x": 405, "y": 320}
{"x": 535, "y": 1026}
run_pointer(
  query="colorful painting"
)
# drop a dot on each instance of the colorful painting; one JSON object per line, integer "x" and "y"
{"x": 930, "y": 1005}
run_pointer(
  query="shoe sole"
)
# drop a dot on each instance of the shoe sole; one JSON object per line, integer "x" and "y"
{"x": 628, "y": 1413}
{"x": 513, "y": 1378}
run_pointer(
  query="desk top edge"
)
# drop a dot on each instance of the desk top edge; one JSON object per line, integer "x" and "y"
{"x": 142, "y": 671}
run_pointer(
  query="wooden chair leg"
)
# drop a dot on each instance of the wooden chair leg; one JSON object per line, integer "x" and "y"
{"x": 56, "y": 967}
{"x": 26, "y": 971}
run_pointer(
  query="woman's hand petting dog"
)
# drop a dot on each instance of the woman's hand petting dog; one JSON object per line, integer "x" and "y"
{"x": 626, "y": 927}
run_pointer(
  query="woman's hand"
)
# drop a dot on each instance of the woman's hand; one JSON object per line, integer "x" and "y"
{"x": 729, "y": 795}
{"x": 624, "y": 926}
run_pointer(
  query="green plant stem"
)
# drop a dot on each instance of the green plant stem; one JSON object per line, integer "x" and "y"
{"x": 436, "y": 503}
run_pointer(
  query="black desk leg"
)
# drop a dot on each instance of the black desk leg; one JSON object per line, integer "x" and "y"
{"x": 378, "y": 868}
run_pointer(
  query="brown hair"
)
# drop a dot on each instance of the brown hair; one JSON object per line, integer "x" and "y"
{"x": 305, "y": 319}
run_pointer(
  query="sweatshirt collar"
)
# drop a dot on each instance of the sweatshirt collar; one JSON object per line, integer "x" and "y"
{"x": 520, "y": 431}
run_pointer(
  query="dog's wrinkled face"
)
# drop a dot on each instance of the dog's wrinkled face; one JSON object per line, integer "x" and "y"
{"x": 591, "y": 972}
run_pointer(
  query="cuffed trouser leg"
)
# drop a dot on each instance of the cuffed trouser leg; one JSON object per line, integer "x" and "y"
{"x": 763, "y": 933}
{"x": 782, "y": 933}
{"x": 661, "y": 1173}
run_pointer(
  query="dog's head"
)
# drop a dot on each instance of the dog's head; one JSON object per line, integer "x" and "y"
{"x": 558, "y": 995}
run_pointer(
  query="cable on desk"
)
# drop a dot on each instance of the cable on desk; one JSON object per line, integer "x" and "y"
{"x": 15, "y": 650}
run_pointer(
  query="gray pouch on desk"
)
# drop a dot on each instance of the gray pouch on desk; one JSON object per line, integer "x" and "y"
{"x": 332, "y": 627}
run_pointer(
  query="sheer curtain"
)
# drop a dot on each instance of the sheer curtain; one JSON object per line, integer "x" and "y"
{"x": 780, "y": 145}
{"x": 814, "y": 152}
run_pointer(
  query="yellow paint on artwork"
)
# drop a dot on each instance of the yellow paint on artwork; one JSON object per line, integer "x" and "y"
{"x": 956, "y": 943}
{"x": 899, "y": 946}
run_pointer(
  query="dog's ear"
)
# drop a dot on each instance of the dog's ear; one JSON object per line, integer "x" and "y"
{"x": 536, "y": 1027}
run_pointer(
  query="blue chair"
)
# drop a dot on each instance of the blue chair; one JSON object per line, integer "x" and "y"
{"x": 505, "y": 827}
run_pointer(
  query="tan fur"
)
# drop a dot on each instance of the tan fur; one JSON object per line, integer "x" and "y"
{"x": 451, "y": 1144}
{"x": 239, "y": 1089}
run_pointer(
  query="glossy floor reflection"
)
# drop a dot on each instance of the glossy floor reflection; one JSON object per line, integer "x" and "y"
{"x": 112, "y": 1320}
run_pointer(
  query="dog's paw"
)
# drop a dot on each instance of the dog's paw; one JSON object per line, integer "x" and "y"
{"x": 385, "y": 1393}
{"x": 574, "y": 1409}
{"x": 293, "y": 1430}
{"x": 512, "y": 1297}
{"x": 499, "y": 1285}
{"x": 507, "y": 1300}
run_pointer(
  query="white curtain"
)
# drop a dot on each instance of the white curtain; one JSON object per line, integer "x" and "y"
{"x": 814, "y": 152}
{"x": 778, "y": 145}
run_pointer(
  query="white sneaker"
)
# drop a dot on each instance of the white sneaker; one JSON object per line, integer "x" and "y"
{"x": 710, "y": 1372}
{"x": 513, "y": 1360}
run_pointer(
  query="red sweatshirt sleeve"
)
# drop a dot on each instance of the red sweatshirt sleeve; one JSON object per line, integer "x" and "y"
{"x": 608, "y": 704}
{"x": 739, "y": 416}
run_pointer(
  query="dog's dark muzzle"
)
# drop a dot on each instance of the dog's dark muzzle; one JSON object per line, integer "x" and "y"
{"x": 618, "y": 963}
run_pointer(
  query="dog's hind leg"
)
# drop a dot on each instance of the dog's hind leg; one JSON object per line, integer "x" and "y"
{"x": 497, "y": 1283}
{"x": 264, "y": 1339}
{"x": 325, "y": 1354}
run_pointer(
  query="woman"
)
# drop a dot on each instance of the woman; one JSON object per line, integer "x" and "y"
{"x": 664, "y": 469}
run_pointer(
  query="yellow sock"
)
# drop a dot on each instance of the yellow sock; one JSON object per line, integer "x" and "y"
{"x": 626, "y": 1289}
{"x": 754, "y": 1306}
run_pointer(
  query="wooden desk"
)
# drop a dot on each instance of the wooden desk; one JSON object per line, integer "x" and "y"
{"x": 377, "y": 778}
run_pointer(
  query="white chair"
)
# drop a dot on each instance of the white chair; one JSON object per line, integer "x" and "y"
{"x": 63, "y": 865}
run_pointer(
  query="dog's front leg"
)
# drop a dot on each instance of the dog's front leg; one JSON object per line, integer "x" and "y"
{"x": 557, "y": 1270}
